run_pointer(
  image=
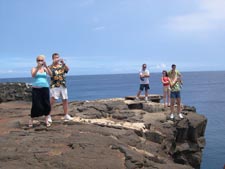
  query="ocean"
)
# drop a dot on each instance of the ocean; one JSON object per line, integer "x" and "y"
{"x": 204, "y": 90}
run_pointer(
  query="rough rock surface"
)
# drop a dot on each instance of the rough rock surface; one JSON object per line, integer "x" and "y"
{"x": 105, "y": 134}
{"x": 15, "y": 91}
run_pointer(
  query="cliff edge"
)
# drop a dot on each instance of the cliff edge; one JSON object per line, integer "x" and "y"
{"x": 109, "y": 133}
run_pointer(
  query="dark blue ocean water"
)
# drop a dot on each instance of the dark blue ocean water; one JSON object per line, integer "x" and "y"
{"x": 204, "y": 90}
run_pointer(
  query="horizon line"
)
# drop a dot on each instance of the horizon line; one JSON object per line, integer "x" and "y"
{"x": 119, "y": 73}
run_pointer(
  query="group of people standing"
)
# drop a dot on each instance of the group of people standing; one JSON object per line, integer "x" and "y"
{"x": 172, "y": 83}
{"x": 45, "y": 95}
{"x": 43, "y": 98}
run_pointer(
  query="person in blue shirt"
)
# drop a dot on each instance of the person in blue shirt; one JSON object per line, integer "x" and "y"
{"x": 40, "y": 91}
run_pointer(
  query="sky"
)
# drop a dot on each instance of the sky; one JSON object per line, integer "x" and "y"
{"x": 112, "y": 36}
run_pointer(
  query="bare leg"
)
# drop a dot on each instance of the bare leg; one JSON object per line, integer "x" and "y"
{"x": 164, "y": 98}
{"x": 146, "y": 93}
{"x": 138, "y": 94}
{"x": 52, "y": 101}
{"x": 178, "y": 105}
{"x": 65, "y": 106}
{"x": 65, "y": 109}
{"x": 168, "y": 97}
{"x": 172, "y": 101}
{"x": 179, "y": 108}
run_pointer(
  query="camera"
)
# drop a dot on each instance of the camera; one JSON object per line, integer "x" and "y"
{"x": 60, "y": 60}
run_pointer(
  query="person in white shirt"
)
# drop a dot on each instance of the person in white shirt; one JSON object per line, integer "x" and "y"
{"x": 144, "y": 82}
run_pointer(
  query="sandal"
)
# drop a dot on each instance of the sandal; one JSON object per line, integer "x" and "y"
{"x": 30, "y": 125}
{"x": 36, "y": 122}
{"x": 48, "y": 124}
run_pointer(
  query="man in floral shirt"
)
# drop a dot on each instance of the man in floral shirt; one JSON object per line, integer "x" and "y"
{"x": 58, "y": 87}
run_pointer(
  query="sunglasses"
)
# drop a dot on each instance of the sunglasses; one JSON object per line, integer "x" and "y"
{"x": 40, "y": 60}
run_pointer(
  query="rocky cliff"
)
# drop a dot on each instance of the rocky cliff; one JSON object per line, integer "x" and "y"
{"x": 110, "y": 133}
{"x": 15, "y": 91}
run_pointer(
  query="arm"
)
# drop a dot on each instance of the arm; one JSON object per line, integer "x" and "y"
{"x": 146, "y": 74}
{"x": 178, "y": 73}
{"x": 163, "y": 80}
{"x": 172, "y": 83}
{"x": 47, "y": 69}
{"x": 34, "y": 71}
{"x": 179, "y": 76}
{"x": 65, "y": 66}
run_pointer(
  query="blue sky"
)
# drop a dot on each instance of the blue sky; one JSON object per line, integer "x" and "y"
{"x": 112, "y": 36}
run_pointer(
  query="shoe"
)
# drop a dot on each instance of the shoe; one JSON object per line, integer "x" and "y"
{"x": 48, "y": 124}
{"x": 30, "y": 125}
{"x": 49, "y": 119}
{"x": 137, "y": 98}
{"x": 171, "y": 116}
{"x": 181, "y": 116}
{"x": 146, "y": 99}
{"x": 68, "y": 117}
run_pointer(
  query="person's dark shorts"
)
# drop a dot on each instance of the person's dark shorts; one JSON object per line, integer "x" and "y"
{"x": 175, "y": 95}
{"x": 144, "y": 86}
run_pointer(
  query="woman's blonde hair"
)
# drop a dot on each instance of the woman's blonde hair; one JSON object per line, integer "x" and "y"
{"x": 40, "y": 57}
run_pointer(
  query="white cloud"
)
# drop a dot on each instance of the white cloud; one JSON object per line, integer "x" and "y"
{"x": 99, "y": 28}
{"x": 161, "y": 66}
{"x": 12, "y": 71}
{"x": 210, "y": 15}
{"x": 7, "y": 71}
{"x": 157, "y": 67}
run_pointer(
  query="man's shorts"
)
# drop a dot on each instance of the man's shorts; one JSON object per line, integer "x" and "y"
{"x": 144, "y": 86}
{"x": 175, "y": 95}
{"x": 59, "y": 92}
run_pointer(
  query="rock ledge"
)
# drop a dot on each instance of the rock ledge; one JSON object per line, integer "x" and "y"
{"x": 109, "y": 133}
{"x": 104, "y": 134}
